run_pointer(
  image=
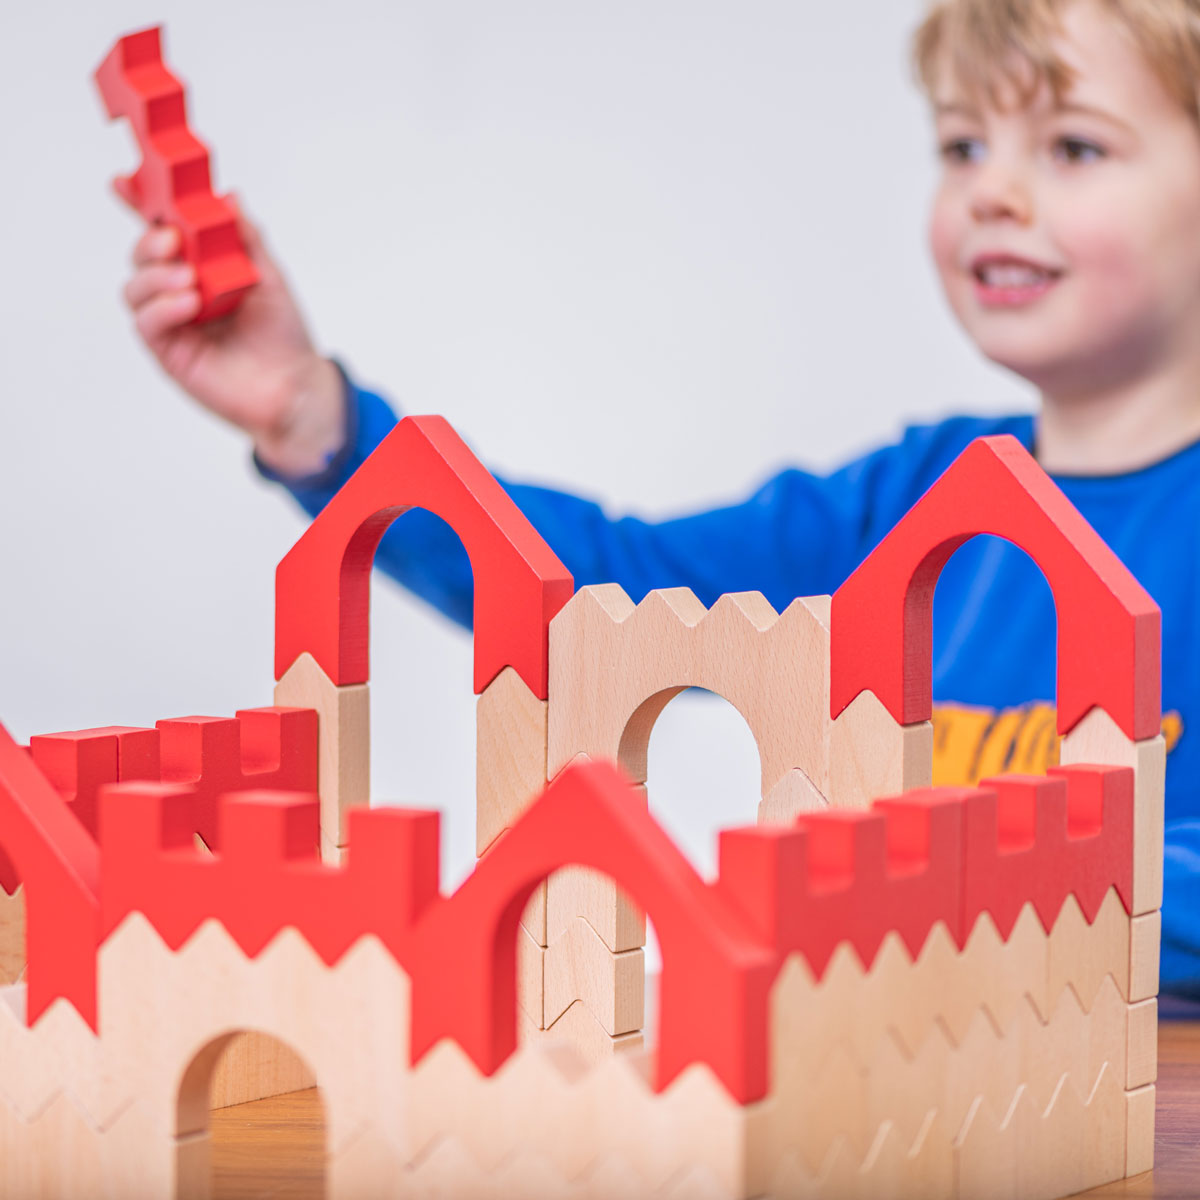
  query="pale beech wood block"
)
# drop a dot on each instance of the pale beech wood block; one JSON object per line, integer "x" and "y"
{"x": 870, "y": 755}
{"x": 615, "y": 666}
{"x": 510, "y": 755}
{"x": 1139, "y": 1130}
{"x": 168, "y": 1016}
{"x": 1027, "y": 1153}
{"x": 1145, "y": 947}
{"x": 59, "y": 1055}
{"x": 531, "y": 988}
{"x": 343, "y": 743}
{"x": 794, "y": 794}
{"x": 1082, "y": 956}
{"x": 61, "y": 1156}
{"x": 581, "y": 892}
{"x": 254, "y": 1066}
{"x": 1098, "y": 739}
{"x": 1142, "y": 1044}
{"x": 582, "y": 1031}
{"x": 12, "y": 936}
{"x": 371, "y": 1165}
{"x": 580, "y": 967}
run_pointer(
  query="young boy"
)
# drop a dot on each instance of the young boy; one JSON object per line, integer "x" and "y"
{"x": 1066, "y": 232}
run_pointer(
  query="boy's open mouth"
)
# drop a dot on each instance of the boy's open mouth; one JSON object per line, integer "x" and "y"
{"x": 1005, "y": 281}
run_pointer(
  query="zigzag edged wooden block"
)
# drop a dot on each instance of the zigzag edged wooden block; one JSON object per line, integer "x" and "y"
{"x": 343, "y": 745}
{"x": 173, "y": 183}
{"x": 12, "y": 936}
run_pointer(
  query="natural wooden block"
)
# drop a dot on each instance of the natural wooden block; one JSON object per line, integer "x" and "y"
{"x": 1145, "y": 949}
{"x": 12, "y": 936}
{"x": 870, "y": 755}
{"x": 1098, "y": 739}
{"x": 1141, "y": 1055}
{"x": 510, "y": 755}
{"x": 1139, "y": 1130}
{"x": 794, "y": 794}
{"x": 1082, "y": 956}
{"x": 254, "y": 1066}
{"x": 344, "y": 743}
{"x": 580, "y": 967}
{"x": 581, "y": 892}
{"x": 580, "y": 1030}
{"x": 615, "y": 666}
{"x": 531, "y": 977}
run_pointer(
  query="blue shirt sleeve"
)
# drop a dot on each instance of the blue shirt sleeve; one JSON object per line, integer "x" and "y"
{"x": 798, "y": 534}
{"x": 1180, "y": 965}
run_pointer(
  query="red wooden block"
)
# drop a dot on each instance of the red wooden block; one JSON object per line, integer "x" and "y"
{"x": 77, "y": 763}
{"x": 1108, "y": 626}
{"x": 259, "y": 748}
{"x": 1020, "y": 845}
{"x": 57, "y": 860}
{"x": 716, "y": 977}
{"x": 173, "y": 183}
{"x": 322, "y": 585}
{"x": 850, "y": 876}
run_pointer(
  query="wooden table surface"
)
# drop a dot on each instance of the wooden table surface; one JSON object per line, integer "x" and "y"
{"x": 275, "y": 1148}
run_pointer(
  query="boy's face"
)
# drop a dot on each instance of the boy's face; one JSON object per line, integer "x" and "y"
{"x": 1096, "y": 212}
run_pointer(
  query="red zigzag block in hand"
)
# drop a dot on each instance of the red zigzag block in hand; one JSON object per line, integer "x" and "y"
{"x": 173, "y": 184}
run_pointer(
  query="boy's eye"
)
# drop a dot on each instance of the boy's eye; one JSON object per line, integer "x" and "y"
{"x": 1078, "y": 150}
{"x": 960, "y": 150}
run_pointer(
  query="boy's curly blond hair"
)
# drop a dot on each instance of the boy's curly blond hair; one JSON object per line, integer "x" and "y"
{"x": 986, "y": 39}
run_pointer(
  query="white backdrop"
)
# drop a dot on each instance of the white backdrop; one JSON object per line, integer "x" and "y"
{"x": 649, "y": 249}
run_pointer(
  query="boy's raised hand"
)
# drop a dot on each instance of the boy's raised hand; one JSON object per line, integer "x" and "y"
{"x": 257, "y": 367}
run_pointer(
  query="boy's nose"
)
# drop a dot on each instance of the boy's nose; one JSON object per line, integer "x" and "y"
{"x": 999, "y": 193}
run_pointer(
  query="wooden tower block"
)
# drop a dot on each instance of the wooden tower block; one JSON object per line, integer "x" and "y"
{"x": 794, "y": 794}
{"x": 615, "y": 666}
{"x": 580, "y": 967}
{"x": 510, "y": 770}
{"x": 1139, "y": 1130}
{"x": 344, "y": 747}
{"x": 870, "y": 755}
{"x": 1098, "y": 739}
{"x": 12, "y": 936}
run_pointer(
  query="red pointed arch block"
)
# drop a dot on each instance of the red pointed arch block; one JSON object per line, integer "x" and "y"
{"x": 322, "y": 585}
{"x": 1108, "y": 626}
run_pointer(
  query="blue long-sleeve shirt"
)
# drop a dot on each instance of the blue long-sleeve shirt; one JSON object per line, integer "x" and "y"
{"x": 801, "y": 534}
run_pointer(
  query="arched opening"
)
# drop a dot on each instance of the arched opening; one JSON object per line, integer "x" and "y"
{"x": 994, "y": 664}
{"x": 422, "y": 701}
{"x": 265, "y": 1147}
{"x": 703, "y": 774}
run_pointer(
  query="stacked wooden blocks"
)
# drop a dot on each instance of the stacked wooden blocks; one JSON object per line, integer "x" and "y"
{"x": 888, "y": 988}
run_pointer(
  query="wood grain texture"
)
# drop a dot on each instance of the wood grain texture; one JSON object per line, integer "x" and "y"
{"x": 273, "y": 1147}
{"x": 12, "y": 936}
{"x": 344, "y": 745}
{"x": 870, "y": 755}
{"x": 254, "y": 1066}
{"x": 1098, "y": 739}
{"x": 510, "y": 755}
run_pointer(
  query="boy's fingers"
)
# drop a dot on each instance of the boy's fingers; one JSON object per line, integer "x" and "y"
{"x": 151, "y": 281}
{"x": 159, "y": 243}
{"x": 166, "y": 312}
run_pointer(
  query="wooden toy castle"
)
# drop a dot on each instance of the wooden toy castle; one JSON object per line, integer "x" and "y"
{"x": 888, "y": 990}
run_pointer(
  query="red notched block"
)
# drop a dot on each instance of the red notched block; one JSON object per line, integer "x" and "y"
{"x": 322, "y": 585}
{"x": 1040, "y": 839}
{"x": 849, "y": 876}
{"x": 173, "y": 184}
{"x": 1108, "y": 626}
{"x": 79, "y": 762}
{"x": 259, "y": 748}
{"x": 56, "y": 859}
